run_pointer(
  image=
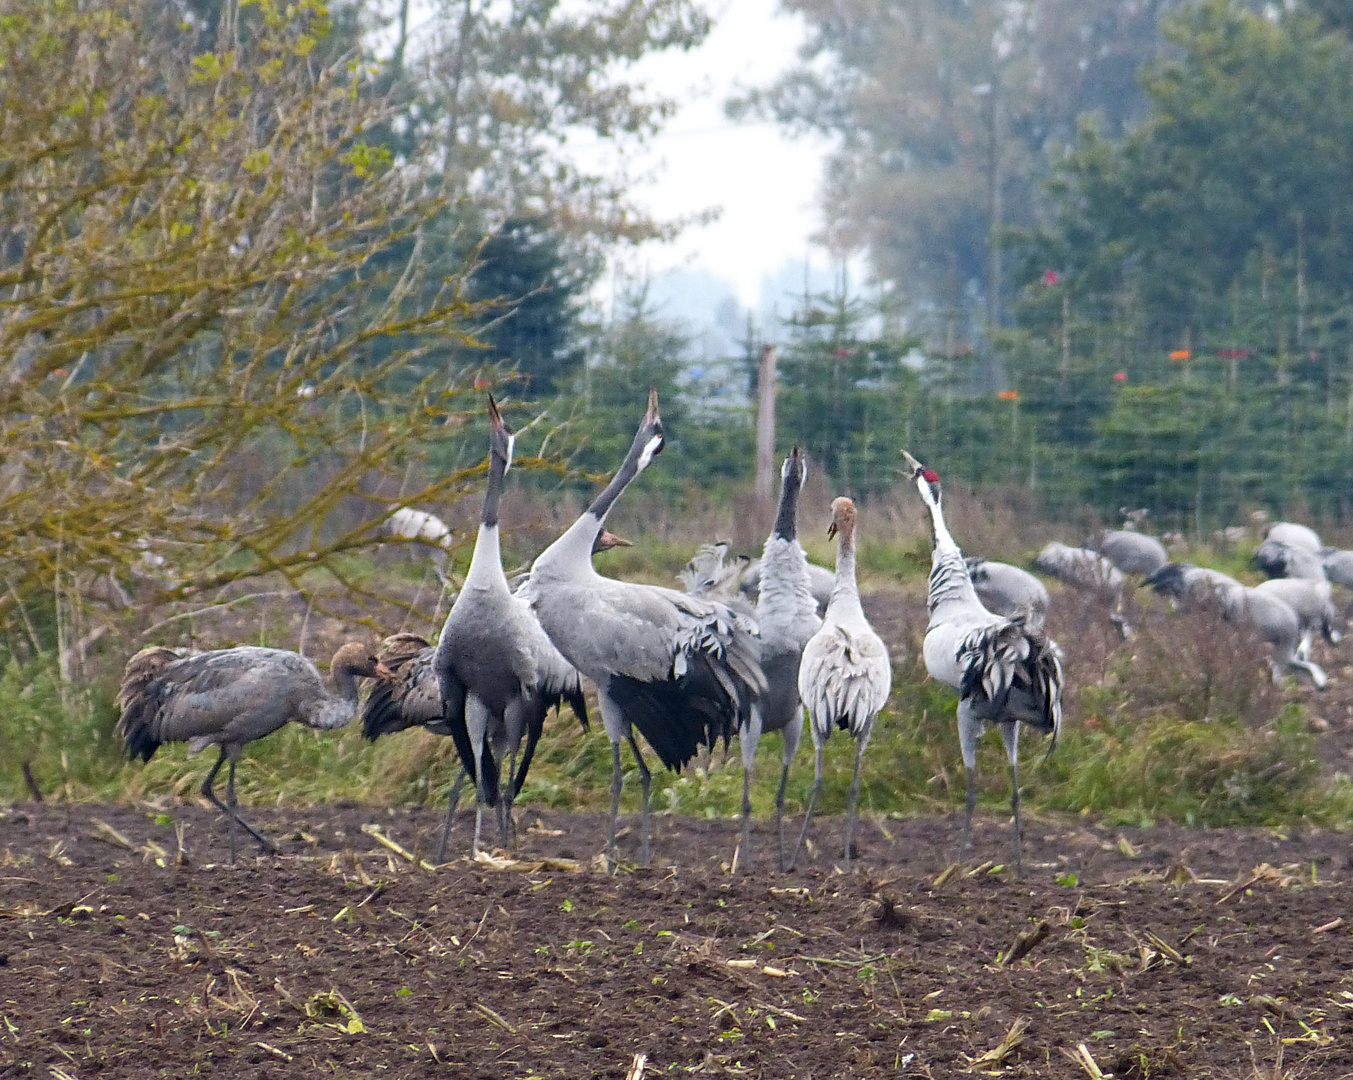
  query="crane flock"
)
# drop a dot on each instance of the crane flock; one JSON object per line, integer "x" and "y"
{"x": 745, "y": 650}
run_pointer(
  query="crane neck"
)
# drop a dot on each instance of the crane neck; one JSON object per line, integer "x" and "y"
{"x": 786, "y": 517}
{"x": 345, "y": 682}
{"x": 494, "y": 491}
{"x": 939, "y": 532}
{"x": 846, "y": 588}
{"x": 486, "y": 564}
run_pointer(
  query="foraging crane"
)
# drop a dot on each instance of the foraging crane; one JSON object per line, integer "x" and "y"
{"x": 845, "y": 676}
{"x": 1338, "y": 566}
{"x": 684, "y": 671}
{"x": 1008, "y": 590}
{"x": 1006, "y": 672}
{"x": 1274, "y": 619}
{"x": 230, "y": 697}
{"x": 1279, "y": 560}
{"x": 787, "y": 616}
{"x": 1293, "y": 535}
{"x": 1298, "y": 577}
{"x": 497, "y": 672}
{"x": 1133, "y": 552}
{"x": 1078, "y": 567}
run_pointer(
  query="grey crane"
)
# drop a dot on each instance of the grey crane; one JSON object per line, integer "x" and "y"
{"x": 497, "y": 671}
{"x": 786, "y": 614}
{"x": 1270, "y": 615}
{"x": 1006, "y": 672}
{"x": 845, "y": 676}
{"x": 711, "y": 574}
{"x": 684, "y": 671}
{"x": 1294, "y": 535}
{"x": 1080, "y": 568}
{"x": 1133, "y": 552}
{"x": 1338, "y": 566}
{"x": 1298, "y": 577}
{"x": 230, "y": 697}
{"x": 1008, "y": 590}
{"x": 1281, "y": 560}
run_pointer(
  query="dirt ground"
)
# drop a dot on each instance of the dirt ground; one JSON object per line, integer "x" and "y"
{"x": 1153, "y": 953}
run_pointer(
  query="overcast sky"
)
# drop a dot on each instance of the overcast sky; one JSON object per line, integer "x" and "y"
{"x": 763, "y": 183}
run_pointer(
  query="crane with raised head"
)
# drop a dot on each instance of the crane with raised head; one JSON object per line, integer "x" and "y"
{"x": 1006, "y": 671}
{"x": 786, "y": 613}
{"x": 684, "y": 671}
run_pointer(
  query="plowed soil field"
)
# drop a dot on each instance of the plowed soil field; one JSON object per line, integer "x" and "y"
{"x": 1146, "y": 953}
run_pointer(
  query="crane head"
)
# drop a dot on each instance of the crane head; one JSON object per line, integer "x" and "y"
{"x": 501, "y": 439}
{"x": 650, "y": 436}
{"x": 926, "y": 479}
{"x": 795, "y": 467}
{"x": 843, "y": 519}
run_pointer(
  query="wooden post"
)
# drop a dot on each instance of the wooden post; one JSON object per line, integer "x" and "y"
{"x": 765, "y": 427}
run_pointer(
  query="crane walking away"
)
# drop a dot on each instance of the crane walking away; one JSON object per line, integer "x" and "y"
{"x": 845, "y": 676}
{"x": 686, "y": 672}
{"x": 497, "y": 672}
{"x": 1006, "y": 672}
{"x": 786, "y": 613}
{"x": 230, "y": 697}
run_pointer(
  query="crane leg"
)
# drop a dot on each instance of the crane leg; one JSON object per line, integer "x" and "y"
{"x": 812, "y": 802}
{"x": 506, "y": 825}
{"x": 646, "y": 783}
{"x": 228, "y": 807}
{"x": 617, "y": 779}
{"x": 450, "y": 816}
{"x": 793, "y": 731}
{"x": 969, "y": 727}
{"x": 748, "y": 738}
{"x": 1010, "y": 735}
{"x": 854, "y": 798}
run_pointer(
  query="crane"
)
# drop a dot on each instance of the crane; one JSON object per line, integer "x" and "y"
{"x": 786, "y": 613}
{"x": 845, "y": 676}
{"x": 1006, "y": 672}
{"x": 229, "y": 698}
{"x": 684, "y": 671}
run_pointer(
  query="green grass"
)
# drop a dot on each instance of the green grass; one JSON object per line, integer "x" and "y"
{"x": 1166, "y": 727}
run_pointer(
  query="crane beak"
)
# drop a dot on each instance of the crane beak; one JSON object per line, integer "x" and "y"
{"x": 383, "y": 672}
{"x": 831, "y": 531}
{"x": 495, "y": 417}
{"x": 651, "y": 417}
{"x": 914, "y": 465}
{"x": 607, "y": 540}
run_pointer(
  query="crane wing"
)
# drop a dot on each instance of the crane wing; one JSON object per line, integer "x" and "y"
{"x": 844, "y": 679}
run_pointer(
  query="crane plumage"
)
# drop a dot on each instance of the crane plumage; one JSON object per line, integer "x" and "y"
{"x": 845, "y": 676}
{"x": 684, "y": 671}
{"x": 1008, "y": 590}
{"x": 497, "y": 672}
{"x": 1264, "y": 609}
{"x": 1006, "y": 671}
{"x": 229, "y": 698}
{"x": 786, "y": 613}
